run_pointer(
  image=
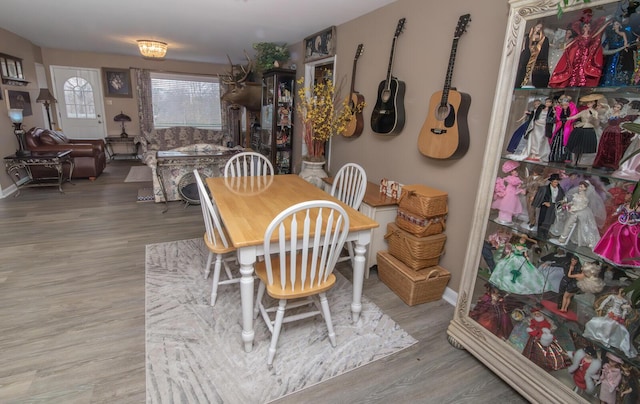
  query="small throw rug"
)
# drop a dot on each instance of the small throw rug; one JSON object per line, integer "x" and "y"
{"x": 139, "y": 174}
{"x": 195, "y": 354}
{"x": 145, "y": 195}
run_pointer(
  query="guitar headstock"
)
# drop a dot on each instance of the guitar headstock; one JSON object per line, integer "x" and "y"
{"x": 359, "y": 51}
{"x": 461, "y": 28}
{"x": 400, "y": 27}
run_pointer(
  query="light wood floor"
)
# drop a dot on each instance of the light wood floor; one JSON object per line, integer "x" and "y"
{"x": 72, "y": 307}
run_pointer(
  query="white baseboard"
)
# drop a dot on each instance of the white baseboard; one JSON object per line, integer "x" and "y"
{"x": 450, "y": 296}
{"x": 5, "y": 192}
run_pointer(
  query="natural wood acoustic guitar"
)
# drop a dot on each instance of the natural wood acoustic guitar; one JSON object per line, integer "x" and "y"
{"x": 356, "y": 123}
{"x": 445, "y": 134}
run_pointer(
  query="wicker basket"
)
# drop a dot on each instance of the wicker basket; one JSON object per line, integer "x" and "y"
{"x": 413, "y": 287}
{"x": 419, "y": 225}
{"x": 415, "y": 252}
{"x": 423, "y": 201}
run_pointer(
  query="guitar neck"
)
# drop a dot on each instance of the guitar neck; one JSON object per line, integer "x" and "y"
{"x": 393, "y": 49}
{"x": 353, "y": 76}
{"x": 447, "y": 80}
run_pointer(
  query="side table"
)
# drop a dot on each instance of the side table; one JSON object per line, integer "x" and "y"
{"x": 15, "y": 164}
{"x": 380, "y": 208}
{"x": 117, "y": 146}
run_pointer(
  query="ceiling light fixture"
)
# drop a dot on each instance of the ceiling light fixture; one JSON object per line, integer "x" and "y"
{"x": 153, "y": 50}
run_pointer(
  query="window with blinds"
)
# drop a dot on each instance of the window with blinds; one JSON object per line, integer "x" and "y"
{"x": 184, "y": 100}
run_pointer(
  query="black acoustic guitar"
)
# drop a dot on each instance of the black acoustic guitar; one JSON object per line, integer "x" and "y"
{"x": 387, "y": 117}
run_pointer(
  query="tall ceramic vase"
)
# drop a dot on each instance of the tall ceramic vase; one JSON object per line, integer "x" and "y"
{"x": 313, "y": 172}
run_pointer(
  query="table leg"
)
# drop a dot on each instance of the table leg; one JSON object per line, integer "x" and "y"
{"x": 246, "y": 258}
{"x": 60, "y": 169}
{"x": 360, "y": 250}
{"x": 164, "y": 192}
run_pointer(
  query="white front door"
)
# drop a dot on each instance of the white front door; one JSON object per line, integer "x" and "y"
{"x": 80, "y": 108}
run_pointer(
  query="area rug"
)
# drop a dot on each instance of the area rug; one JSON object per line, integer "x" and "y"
{"x": 194, "y": 352}
{"x": 139, "y": 174}
{"x": 145, "y": 195}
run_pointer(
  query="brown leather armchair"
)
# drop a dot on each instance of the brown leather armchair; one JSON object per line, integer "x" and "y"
{"x": 89, "y": 156}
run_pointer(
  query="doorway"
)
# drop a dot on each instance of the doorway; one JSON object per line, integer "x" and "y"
{"x": 313, "y": 72}
{"x": 80, "y": 109}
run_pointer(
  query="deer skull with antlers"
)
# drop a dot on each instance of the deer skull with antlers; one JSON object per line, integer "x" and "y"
{"x": 241, "y": 92}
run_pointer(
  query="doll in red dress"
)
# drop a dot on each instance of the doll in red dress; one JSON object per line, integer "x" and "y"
{"x": 585, "y": 369}
{"x": 542, "y": 348}
{"x": 582, "y": 62}
{"x": 491, "y": 313}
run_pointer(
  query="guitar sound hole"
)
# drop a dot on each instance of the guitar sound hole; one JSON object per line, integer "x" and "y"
{"x": 385, "y": 96}
{"x": 442, "y": 112}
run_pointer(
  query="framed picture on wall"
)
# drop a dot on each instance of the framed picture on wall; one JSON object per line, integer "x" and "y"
{"x": 20, "y": 100}
{"x": 117, "y": 82}
{"x": 320, "y": 45}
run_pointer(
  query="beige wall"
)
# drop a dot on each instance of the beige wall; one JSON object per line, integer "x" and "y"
{"x": 113, "y": 106}
{"x": 421, "y": 58}
{"x": 21, "y": 48}
{"x": 422, "y": 54}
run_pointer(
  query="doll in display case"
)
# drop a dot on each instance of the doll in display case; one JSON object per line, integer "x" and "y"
{"x": 533, "y": 70}
{"x": 610, "y": 378}
{"x": 581, "y": 63}
{"x": 628, "y": 390}
{"x": 531, "y": 184}
{"x": 583, "y": 138}
{"x": 542, "y": 348}
{"x": 506, "y": 197}
{"x": 630, "y": 163}
{"x": 610, "y": 326}
{"x": 562, "y": 129}
{"x": 618, "y": 56}
{"x": 547, "y": 200}
{"x": 517, "y": 146}
{"x": 515, "y": 273}
{"x": 585, "y": 369}
{"x": 613, "y": 141}
{"x": 620, "y": 244}
{"x": 491, "y": 313}
{"x": 579, "y": 224}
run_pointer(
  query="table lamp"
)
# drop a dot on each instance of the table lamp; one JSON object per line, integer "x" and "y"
{"x": 122, "y": 118}
{"x": 15, "y": 115}
{"x": 46, "y": 98}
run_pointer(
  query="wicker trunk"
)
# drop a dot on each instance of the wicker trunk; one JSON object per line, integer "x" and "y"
{"x": 413, "y": 287}
{"x": 415, "y": 252}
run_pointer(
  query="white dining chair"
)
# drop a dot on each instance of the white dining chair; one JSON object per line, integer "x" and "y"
{"x": 300, "y": 268}
{"x": 247, "y": 164}
{"x": 217, "y": 241}
{"x": 349, "y": 186}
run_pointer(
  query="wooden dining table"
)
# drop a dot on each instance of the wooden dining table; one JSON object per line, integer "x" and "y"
{"x": 248, "y": 204}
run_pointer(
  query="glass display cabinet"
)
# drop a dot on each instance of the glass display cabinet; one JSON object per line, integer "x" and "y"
{"x": 548, "y": 298}
{"x": 276, "y": 129}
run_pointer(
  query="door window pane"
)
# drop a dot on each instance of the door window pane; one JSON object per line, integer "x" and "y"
{"x": 78, "y": 98}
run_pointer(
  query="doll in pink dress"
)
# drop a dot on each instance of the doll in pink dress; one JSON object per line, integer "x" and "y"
{"x": 610, "y": 378}
{"x": 620, "y": 244}
{"x": 506, "y": 193}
